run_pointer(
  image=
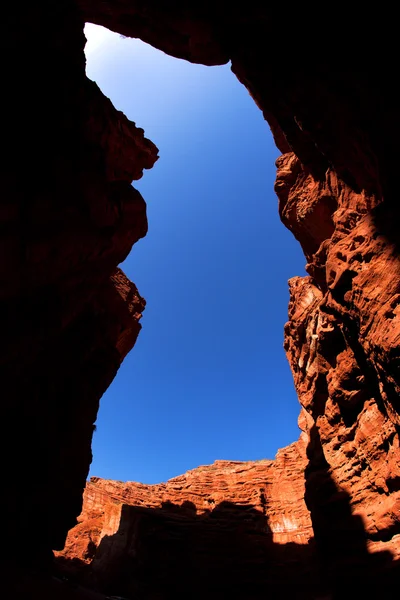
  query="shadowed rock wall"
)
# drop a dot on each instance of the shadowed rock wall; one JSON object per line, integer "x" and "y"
{"x": 68, "y": 217}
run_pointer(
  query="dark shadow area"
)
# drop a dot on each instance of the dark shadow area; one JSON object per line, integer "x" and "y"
{"x": 345, "y": 567}
{"x": 385, "y": 219}
{"x": 173, "y": 552}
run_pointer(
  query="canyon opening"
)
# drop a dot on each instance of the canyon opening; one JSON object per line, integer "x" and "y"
{"x": 321, "y": 520}
{"x": 208, "y": 378}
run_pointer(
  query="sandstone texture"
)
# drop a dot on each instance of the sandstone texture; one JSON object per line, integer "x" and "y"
{"x": 342, "y": 337}
{"x": 247, "y": 518}
{"x": 342, "y": 342}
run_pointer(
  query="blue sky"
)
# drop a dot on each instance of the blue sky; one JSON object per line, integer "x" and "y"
{"x": 208, "y": 378}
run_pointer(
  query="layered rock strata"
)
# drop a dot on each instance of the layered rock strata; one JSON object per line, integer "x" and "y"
{"x": 242, "y": 518}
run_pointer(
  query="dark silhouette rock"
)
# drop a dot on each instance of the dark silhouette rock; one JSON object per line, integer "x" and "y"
{"x": 273, "y": 488}
{"x": 68, "y": 217}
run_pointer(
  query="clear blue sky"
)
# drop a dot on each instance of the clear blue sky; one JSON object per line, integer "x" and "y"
{"x": 208, "y": 378}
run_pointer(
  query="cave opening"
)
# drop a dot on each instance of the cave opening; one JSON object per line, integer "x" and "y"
{"x": 208, "y": 378}
{"x": 69, "y": 218}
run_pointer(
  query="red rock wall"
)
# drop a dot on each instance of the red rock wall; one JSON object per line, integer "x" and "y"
{"x": 247, "y": 518}
{"x": 272, "y": 487}
{"x": 341, "y": 341}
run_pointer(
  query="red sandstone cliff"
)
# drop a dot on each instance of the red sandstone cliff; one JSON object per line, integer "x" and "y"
{"x": 340, "y": 339}
{"x": 274, "y": 488}
{"x": 243, "y": 517}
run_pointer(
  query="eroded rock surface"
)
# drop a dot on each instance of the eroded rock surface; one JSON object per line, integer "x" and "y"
{"x": 247, "y": 518}
{"x": 342, "y": 343}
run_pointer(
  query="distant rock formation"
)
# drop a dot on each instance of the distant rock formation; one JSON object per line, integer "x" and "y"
{"x": 229, "y": 528}
{"x": 341, "y": 341}
{"x": 246, "y": 518}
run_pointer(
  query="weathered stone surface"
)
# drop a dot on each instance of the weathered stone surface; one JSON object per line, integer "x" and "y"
{"x": 342, "y": 342}
{"x": 274, "y": 488}
{"x": 243, "y": 516}
{"x": 228, "y": 528}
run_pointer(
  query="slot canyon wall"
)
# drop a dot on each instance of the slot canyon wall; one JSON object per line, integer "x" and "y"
{"x": 69, "y": 216}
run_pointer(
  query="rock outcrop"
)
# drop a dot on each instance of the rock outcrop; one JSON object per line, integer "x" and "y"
{"x": 247, "y": 518}
{"x": 342, "y": 340}
{"x": 231, "y": 528}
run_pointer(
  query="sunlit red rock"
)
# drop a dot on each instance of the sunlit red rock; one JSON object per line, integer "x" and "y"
{"x": 248, "y": 517}
{"x": 341, "y": 341}
{"x": 274, "y": 488}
